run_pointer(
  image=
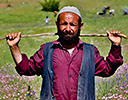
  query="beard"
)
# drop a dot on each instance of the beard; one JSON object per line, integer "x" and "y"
{"x": 68, "y": 40}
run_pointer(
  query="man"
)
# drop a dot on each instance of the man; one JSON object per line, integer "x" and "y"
{"x": 67, "y": 65}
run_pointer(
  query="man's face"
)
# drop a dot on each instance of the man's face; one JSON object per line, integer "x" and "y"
{"x": 68, "y": 28}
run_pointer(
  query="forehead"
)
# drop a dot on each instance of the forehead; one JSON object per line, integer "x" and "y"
{"x": 68, "y": 16}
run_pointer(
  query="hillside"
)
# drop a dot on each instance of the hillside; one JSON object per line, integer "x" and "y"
{"x": 26, "y": 16}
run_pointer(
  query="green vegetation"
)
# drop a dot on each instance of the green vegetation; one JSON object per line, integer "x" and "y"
{"x": 50, "y": 5}
{"x": 28, "y": 18}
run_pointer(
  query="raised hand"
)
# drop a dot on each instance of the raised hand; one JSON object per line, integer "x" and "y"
{"x": 13, "y": 38}
{"x": 113, "y": 37}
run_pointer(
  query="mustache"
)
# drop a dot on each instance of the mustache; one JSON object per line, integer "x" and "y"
{"x": 68, "y": 32}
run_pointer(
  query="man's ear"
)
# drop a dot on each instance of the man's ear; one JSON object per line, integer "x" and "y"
{"x": 56, "y": 23}
{"x": 81, "y": 25}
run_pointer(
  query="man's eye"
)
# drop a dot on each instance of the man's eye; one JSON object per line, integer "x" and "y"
{"x": 72, "y": 24}
{"x": 63, "y": 24}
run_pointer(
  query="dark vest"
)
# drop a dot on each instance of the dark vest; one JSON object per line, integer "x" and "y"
{"x": 86, "y": 82}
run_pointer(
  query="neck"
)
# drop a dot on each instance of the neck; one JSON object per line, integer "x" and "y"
{"x": 69, "y": 46}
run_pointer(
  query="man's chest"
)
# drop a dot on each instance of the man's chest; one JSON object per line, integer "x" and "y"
{"x": 63, "y": 62}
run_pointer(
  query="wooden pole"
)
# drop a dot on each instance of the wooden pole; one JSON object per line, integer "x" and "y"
{"x": 82, "y": 35}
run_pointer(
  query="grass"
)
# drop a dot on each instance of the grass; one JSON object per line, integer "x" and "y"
{"x": 28, "y": 18}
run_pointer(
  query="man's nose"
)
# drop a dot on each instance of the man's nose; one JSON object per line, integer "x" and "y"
{"x": 68, "y": 28}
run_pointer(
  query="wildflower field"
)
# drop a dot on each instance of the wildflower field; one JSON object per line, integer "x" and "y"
{"x": 26, "y": 16}
{"x": 15, "y": 87}
{"x": 115, "y": 87}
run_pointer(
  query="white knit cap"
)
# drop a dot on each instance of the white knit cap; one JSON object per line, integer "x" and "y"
{"x": 70, "y": 9}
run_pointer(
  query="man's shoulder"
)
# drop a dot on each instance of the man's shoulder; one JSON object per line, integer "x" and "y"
{"x": 52, "y": 42}
{"x": 91, "y": 45}
{"x": 88, "y": 44}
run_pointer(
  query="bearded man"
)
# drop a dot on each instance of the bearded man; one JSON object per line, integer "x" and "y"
{"x": 67, "y": 65}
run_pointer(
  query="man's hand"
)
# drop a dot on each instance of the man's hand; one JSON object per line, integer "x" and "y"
{"x": 13, "y": 38}
{"x": 113, "y": 37}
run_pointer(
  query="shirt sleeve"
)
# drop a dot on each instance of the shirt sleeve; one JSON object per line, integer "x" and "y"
{"x": 108, "y": 66}
{"x": 32, "y": 66}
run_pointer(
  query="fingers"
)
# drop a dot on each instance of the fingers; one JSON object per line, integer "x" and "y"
{"x": 12, "y": 36}
{"x": 114, "y": 32}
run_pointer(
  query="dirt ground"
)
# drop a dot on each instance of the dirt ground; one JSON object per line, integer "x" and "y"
{"x": 3, "y": 5}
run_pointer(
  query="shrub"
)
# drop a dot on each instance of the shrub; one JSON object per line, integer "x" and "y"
{"x": 50, "y": 5}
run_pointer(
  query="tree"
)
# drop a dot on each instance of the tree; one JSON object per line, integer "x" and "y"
{"x": 50, "y": 5}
